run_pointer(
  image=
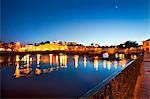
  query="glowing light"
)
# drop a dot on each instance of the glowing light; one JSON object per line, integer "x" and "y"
{"x": 28, "y": 59}
{"x": 18, "y": 43}
{"x": 25, "y": 58}
{"x": 85, "y": 61}
{"x": 123, "y": 62}
{"x": 2, "y": 49}
{"x": 37, "y": 71}
{"x": 17, "y": 58}
{"x": 27, "y": 70}
{"x": 63, "y": 61}
{"x": 111, "y": 50}
{"x": 116, "y": 55}
{"x": 105, "y": 55}
{"x": 133, "y": 57}
{"x": 50, "y": 59}
{"x": 46, "y": 47}
{"x": 21, "y": 72}
{"x": 17, "y": 71}
{"x": 96, "y": 64}
{"x": 115, "y": 64}
{"x": 38, "y": 60}
{"x": 121, "y": 56}
{"x": 76, "y": 57}
{"x": 57, "y": 60}
{"x": 104, "y": 63}
{"x": 108, "y": 65}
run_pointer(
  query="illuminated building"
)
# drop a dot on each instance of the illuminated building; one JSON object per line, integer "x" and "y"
{"x": 146, "y": 45}
{"x": 111, "y": 50}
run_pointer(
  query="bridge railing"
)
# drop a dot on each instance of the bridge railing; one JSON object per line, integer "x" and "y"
{"x": 119, "y": 85}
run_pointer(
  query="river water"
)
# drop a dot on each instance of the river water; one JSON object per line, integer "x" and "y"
{"x": 54, "y": 76}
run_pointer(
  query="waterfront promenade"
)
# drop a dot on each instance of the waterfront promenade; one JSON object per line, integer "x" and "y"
{"x": 142, "y": 87}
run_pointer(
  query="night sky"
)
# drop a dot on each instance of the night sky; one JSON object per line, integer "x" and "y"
{"x": 84, "y": 21}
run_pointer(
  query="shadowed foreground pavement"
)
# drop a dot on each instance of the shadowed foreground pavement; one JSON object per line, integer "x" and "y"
{"x": 142, "y": 88}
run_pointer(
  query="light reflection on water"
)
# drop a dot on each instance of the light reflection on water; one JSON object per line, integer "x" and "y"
{"x": 76, "y": 57}
{"x": 85, "y": 61}
{"x": 56, "y": 62}
{"x": 42, "y": 72}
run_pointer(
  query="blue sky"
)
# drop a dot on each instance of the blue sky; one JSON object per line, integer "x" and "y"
{"x": 82, "y": 21}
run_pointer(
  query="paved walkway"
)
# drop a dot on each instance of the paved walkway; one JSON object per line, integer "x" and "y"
{"x": 142, "y": 87}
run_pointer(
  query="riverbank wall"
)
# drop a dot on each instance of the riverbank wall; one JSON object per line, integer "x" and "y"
{"x": 117, "y": 86}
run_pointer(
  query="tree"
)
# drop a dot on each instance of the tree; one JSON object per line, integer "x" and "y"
{"x": 129, "y": 44}
{"x": 47, "y": 42}
{"x": 10, "y": 45}
{"x": 42, "y": 43}
{"x": 35, "y": 44}
{"x": 92, "y": 44}
{"x": 120, "y": 46}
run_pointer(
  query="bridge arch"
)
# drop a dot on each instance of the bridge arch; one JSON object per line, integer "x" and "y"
{"x": 119, "y": 55}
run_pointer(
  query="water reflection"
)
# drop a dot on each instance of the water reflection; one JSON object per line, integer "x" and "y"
{"x": 123, "y": 63}
{"x": 108, "y": 65}
{"x": 85, "y": 61}
{"x": 115, "y": 64}
{"x": 96, "y": 63}
{"x": 37, "y": 71}
{"x": 104, "y": 63}
{"x": 6, "y": 61}
{"x": 22, "y": 71}
{"x": 57, "y": 60}
{"x": 38, "y": 60}
{"x": 36, "y": 64}
{"x": 50, "y": 59}
{"x": 17, "y": 58}
{"x": 76, "y": 58}
{"x": 63, "y": 61}
{"x": 17, "y": 71}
